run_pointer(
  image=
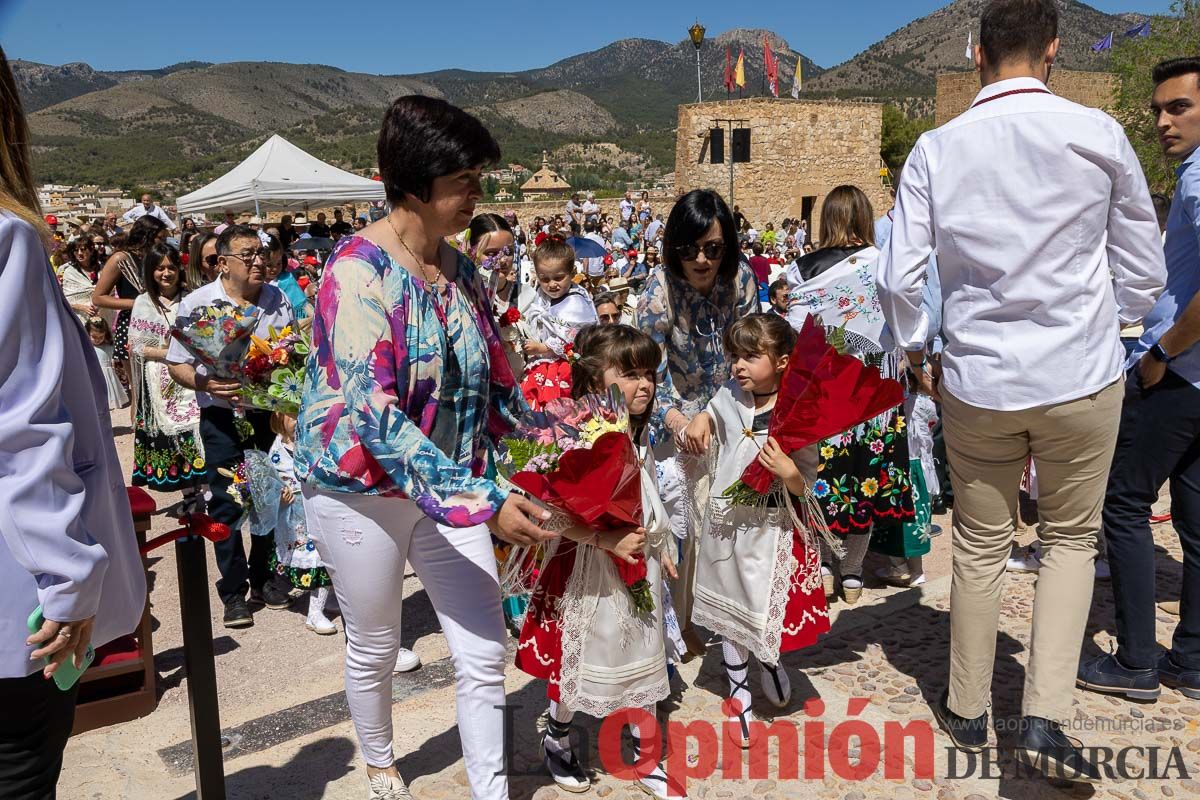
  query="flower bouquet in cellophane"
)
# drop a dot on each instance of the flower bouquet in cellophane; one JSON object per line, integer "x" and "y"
{"x": 218, "y": 335}
{"x": 577, "y": 458}
{"x": 271, "y": 370}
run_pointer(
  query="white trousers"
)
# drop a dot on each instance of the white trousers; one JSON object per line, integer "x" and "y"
{"x": 364, "y": 541}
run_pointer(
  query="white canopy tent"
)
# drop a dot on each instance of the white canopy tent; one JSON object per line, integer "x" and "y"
{"x": 278, "y": 177}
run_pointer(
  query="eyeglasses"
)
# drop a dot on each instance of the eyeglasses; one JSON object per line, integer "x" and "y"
{"x": 610, "y": 317}
{"x": 713, "y": 251}
{"x": 248, "y": 256}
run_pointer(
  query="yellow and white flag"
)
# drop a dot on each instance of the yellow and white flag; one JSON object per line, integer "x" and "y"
{"x": 798, "y": 78}
{"x": 739, "y": 72}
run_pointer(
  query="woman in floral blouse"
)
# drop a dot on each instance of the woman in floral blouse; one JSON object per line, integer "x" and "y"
{"x": 407, "y": 388}
{"x": 686, "y": 305}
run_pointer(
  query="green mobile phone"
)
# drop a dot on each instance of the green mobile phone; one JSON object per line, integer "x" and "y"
{"x": 67, "y": 673}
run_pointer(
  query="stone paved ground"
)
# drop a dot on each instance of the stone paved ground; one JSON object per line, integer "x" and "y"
{"x": 281, "y": 704}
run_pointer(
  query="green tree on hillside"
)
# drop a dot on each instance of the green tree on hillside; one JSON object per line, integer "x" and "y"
{"x": 1133, "y": 60}
{"x": 899, "y": 135}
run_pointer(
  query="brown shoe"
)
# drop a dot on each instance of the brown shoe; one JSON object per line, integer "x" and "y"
{"x": 695, "y": 646}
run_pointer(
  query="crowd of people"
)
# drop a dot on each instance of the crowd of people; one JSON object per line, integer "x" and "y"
{"x": 434, "y": 331}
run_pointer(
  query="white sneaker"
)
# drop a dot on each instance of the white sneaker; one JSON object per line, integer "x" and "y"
{"x": 775, "y": 685}
{"x": 387, "y": 787}
{"x": 1102, "y": 571}
{"x": 1024, "y": 562}
{"x": 406, "y": 660}
{"x": 320, "y": 624}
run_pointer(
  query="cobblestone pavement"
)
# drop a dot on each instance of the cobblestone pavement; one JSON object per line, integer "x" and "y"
{"x": 281, "y": 703}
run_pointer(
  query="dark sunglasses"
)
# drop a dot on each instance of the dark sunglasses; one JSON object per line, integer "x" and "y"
{"x": 713, "y": 251}
{"x": 210, "y": 260}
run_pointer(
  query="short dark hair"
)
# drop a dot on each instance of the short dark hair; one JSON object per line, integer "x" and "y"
{"x": 754, "y": 334}
{"x": 1017, "y": 29}
{"x": 1174, "y": 67}
{"x": 692, "y": 216}
{"x": 424, "y": 138}
{"x": 779, "y": 283}
{"x": 605, "y": 297}
{"x": 757, "y": 248}
{"x": 555, "y": 249}
{"x": 225, "y": 240}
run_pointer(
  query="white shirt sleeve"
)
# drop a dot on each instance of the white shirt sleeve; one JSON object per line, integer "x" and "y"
{"x": 162, "y": 215}
{"x": 901, "y": 271}
{"x": 1135, "y": 251}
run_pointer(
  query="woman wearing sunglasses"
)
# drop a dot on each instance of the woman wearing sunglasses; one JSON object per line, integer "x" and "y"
{"x": 686, "y": 305}
{"x": 79, "y": 277}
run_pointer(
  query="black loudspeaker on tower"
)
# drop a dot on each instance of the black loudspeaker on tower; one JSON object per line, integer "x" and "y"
{"x": 716, "y": 145}
{"x": 740, "y": 146}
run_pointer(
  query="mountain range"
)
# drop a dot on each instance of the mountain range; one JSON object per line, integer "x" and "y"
{"x": 183, "y": 124}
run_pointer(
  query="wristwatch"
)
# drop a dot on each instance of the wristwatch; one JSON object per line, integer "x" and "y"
{"x": 1159, "y": 354}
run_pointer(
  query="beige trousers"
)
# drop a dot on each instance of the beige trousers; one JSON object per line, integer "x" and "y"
{"x": 1072, "y": 447}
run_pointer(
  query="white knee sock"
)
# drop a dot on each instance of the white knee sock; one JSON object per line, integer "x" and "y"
{"x": 558, "y": 728}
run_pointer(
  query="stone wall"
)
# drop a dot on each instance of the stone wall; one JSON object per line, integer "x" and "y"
{"x": 659, "y": 203}
{"x": 798, "y": 149}
{"x": 957, "y": 90}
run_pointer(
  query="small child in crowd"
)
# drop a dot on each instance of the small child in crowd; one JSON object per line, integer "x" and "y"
{"x": 102, "y": 343}
{"x": 555, "y": 316}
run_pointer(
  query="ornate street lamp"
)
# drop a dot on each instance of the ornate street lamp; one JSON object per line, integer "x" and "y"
{"x": 696, "y": 33}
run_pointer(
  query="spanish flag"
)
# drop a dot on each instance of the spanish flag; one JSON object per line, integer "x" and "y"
{"x": 739, "y": 72}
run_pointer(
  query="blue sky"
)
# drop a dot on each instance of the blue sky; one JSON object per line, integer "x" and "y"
{"x": 403, "y": 36}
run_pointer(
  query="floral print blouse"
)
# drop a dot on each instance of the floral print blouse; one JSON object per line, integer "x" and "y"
{"x": 407, "y": 387}
{"x": 690, "y": 331}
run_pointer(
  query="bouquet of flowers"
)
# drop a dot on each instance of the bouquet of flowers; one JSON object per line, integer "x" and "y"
{"x": 270, "y": 370}
{"x": 273, "y": 371}
{"x": 256, "y": 489}
{"x": 823, "y": 392}
{"x": 577, "y": 457}
{"x": 218, "y": 335}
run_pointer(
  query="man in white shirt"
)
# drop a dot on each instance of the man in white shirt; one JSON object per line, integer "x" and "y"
{"x": 1032, "y": 359}
{"x": 147, "y": 206}
{"x": 627, "y": 207}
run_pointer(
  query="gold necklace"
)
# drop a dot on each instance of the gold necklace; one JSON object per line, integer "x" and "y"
{"x": 420, "y": 261}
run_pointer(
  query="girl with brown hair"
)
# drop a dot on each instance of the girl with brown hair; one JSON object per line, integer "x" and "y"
{"x": 604, "y": 654}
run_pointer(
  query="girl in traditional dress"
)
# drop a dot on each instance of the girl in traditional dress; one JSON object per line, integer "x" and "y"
{"x": 556, "y": 315}
{"x": 168, "y": 455}
{"x": 758, "y": 570}
{"x": 582, "y": 633}
{"x": 295, "y": 558}
{"x": 102, "y": 343}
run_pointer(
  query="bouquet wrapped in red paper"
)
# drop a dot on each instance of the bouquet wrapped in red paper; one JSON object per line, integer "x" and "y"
{"x": 576, "y": 456}
{"x": 823, "y": 392}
